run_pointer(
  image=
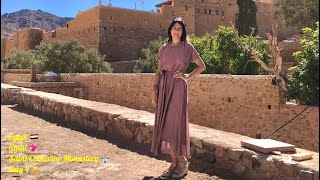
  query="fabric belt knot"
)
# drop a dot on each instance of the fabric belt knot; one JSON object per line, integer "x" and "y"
{"x": 164, "y": 72}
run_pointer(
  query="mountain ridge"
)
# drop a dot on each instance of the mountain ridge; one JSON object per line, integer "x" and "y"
{"x": 26, "y": 18}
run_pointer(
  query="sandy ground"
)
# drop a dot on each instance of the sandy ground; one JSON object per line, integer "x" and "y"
{"x": 125, "y": 160}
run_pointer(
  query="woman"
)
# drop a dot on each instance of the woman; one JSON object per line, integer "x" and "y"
{"x": 169, "y": 97}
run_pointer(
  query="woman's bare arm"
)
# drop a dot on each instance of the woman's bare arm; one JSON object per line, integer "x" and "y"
{"x": 157, "y": 78}
{"x": 200, "y": 67}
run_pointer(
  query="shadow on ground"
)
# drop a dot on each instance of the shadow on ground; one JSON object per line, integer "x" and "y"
{"x": 129, "y": 145}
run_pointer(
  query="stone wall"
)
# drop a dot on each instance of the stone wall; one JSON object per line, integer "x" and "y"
{"x": 123, "y": 66}
{"x": 210, "y": 14}
{"x": 245, "y": 105}
{"x": 288, "y": 48}
{"x": 265, "y": 19}
{"x": 210, "y": 149}
{"x": 23, "y": 39}
{"x": 121, "y": 33}
{"x": 63, "y": 88}
{"x": 85, "y": 28}
{"x": 124, "y": 33}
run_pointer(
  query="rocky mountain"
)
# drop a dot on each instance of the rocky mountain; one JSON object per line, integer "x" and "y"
{"x": 11, "y": 22}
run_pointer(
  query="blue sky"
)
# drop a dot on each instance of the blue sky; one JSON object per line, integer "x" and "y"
{"x": 69, "y": 8}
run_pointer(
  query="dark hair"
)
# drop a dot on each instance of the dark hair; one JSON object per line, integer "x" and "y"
{"x": 184, "y": 32}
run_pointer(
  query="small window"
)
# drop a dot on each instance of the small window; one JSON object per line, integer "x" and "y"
{"x": 94, "y": 29}
{"x": 186, "y": 7}
{"x": 104, "y": 28}
{"x": 205, "y": 11}
{"x": 53, "y": 33}
{"x": 222, "y": 13}
{"x": 202, "y": 0}
{"x": 209, "y": 11}
{"x": 229, "y": 5}
{"x": 110, "y": 18}
{"x": 67, "y": 25}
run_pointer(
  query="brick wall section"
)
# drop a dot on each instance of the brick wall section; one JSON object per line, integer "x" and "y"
{"x": 210, "y": 148}
{"x": 238, "y": 104}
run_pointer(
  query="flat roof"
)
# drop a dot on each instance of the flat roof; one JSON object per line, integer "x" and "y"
{"x": 168, "y": 2}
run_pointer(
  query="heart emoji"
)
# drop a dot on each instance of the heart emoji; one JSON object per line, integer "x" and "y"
{"x": 33, "y": 147}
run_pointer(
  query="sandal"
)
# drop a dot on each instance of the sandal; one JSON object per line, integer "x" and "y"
{"x": 169, "y": 171}
{"x": 183, "y": 173}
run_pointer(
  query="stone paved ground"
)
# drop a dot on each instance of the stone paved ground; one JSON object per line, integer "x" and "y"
{"x": 127, "y": 161}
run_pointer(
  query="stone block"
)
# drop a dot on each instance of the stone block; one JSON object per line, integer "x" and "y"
{"x": 224, "y": 163}
{"x": 288, "y": 168}
{"x": 235, "y": 154}
{"x": 208, "y": 146}
{"x": 208, "y": 157}
{"x": 86, "y": 123}
{"x": 138, "y": 136}
{"x": 109, "y": 129}
{"x": 220, "y": 152}
{"x": 94, "y": 124}
{"x": 254, "y": 175}
{"x": 145, "y": 131}
{"x": 267, "y": 165}
{"x": 239, "y": 169}
{"x": 306, "y": 175}
{"x": 126, "y": 133}
{"x": 255, "y": 162}
{"x": 247, "y": 162}
{"x": 197, "y": 142}
{"x": 85, "y": 112}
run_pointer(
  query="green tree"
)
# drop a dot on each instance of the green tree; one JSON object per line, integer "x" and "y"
{"x": 304, "y": 78}
{"x": 298, "y": 13}
{"x": 19, "y": 60}
{"x": 220, "y": 53}
{"x": 149, "y": 64}
{"x": 68, "y": 57}
{"x": 246, "y": 18}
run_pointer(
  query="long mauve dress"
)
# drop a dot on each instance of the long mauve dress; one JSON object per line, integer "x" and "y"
{"x": 171, "y": 129}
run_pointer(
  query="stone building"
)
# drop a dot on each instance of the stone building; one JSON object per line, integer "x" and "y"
{"x": 121, "y": 33}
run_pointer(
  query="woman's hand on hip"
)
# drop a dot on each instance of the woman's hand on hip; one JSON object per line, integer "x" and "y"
{"x": 181, "y": 75}
{"x": 154, "y": 99}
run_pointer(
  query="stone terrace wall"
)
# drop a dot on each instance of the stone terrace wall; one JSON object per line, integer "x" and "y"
{"x": 123, "y": 66}
{"x": 210, "y": 149}
{"x": 244, "y": 105}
